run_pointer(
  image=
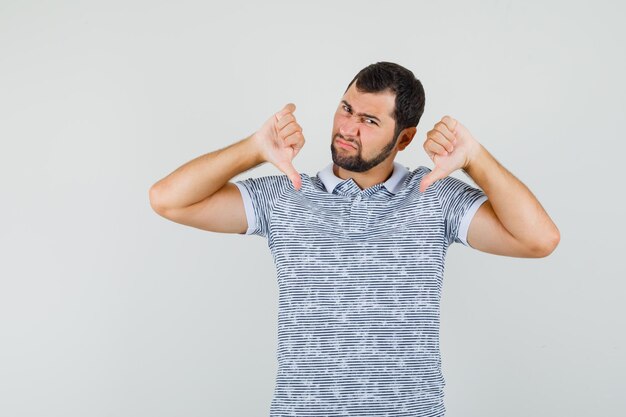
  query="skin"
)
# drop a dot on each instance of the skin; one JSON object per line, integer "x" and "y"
{"x": 511, "y": 222}
{"x": 371, "y": 160}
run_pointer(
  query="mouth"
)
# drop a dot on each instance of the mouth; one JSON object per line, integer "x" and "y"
{"x": 345, "y": 144}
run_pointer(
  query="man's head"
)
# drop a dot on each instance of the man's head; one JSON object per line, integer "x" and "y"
{"x": 378, "y": 115}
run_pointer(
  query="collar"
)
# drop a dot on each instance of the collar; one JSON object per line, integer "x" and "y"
{"x": 393, "y": 184}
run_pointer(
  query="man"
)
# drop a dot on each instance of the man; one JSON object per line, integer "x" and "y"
{"x": 360, "y": 247}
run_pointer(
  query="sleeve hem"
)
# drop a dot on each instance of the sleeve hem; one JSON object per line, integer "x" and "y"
{"x": 467, "y": 219}
{"x": 247, "y": 203}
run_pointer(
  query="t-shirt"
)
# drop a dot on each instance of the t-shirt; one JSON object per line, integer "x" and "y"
{"x": 359, "y": 276}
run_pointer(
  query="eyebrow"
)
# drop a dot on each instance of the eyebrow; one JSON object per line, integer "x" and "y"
{"x": 361, "y": 114}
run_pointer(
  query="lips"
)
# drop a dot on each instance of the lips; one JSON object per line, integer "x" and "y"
{"x": 345, "y": 144}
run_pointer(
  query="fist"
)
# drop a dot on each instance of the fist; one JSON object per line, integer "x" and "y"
{"x": 450, "y": 146}
{"x": 279, "y": 140}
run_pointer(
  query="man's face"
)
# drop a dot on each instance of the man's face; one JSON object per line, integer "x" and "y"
{"x": 364, "y": 121}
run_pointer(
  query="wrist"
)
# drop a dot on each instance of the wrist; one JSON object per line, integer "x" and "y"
{"x": 473, "y": 155}
{"x": 255, "y": 148}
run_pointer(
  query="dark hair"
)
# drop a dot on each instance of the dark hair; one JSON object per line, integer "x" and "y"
{"x": 410, "y": 98}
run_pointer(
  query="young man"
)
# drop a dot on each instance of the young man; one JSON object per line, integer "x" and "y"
{"x": 360, "y": 247}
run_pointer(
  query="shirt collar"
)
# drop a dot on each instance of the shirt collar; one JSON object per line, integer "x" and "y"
{"x": 393, "y": 184}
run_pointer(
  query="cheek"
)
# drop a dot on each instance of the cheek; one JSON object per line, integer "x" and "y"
{"x": 337, "y": 121}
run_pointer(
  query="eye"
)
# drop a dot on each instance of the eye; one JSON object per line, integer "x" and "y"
{"x": 348, "y": 109}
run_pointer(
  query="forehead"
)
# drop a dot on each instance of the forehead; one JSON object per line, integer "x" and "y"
{"x": 379, "y": 104}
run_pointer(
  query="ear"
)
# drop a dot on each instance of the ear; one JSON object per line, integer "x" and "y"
{"x": 406, "y": 136}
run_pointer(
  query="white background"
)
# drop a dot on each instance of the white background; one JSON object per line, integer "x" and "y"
{"x": 107, "y": 309}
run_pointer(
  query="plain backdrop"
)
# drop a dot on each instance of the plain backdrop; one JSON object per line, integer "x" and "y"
{"x": 108, "y": 309}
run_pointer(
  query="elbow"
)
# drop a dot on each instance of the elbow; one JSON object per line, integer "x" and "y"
{"x": 548, "y": 246}
{"x": 154, "y": 198}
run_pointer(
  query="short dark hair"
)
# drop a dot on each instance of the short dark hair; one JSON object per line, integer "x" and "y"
{"x": 410, "y": 98}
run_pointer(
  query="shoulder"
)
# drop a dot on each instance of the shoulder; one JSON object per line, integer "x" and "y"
{"x": 418, "y": 173}
{"x": 414, "y": 177}
{"x": 267, "y": 182}
{"x": 443, "y": 188}
{"x": 280, "y": 183}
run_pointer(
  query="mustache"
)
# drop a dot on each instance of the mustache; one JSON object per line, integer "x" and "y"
{"x": 352, "y": 142}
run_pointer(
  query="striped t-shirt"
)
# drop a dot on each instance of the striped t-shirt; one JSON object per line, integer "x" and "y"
{"x": 359, "y": 277}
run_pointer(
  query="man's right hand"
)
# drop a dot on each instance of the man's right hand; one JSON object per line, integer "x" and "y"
{"x": 279, "y": 140}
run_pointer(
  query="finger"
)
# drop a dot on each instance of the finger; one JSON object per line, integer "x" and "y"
{"x": 289, "y": 130}
{"x": 447, "y": 133}
{"x": 285, "y": 120}
{"x": 289, "y": 108}
{"x": 450, "y": 122}
{"x": 432, "y": 156}
{"x": 439, "y": 138}
{"x": 294, "y": 176}
{"x": 295, "y": 140}
{"x": 428, "y": 179}
{"x": 434, "y": 147}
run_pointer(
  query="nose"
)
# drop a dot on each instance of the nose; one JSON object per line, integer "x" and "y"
{"x": 349, "y": 127}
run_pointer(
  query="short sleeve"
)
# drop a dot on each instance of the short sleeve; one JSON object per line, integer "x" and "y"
{"x": 459, "y": 202}
{"x": 259, "y": 198}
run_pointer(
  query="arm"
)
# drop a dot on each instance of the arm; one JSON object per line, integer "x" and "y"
{"x": 511, "y": 222}
{"x": 199, "y": 193}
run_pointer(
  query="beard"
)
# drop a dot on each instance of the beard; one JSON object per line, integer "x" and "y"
{"x": 352, "y": 160}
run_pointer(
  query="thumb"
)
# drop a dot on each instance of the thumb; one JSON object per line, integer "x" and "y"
{"x": 294, "y": 176}
{"x": 289, "y": 108}
{"x": 436, "y": 174}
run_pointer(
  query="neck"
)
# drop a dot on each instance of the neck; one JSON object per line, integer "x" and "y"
{"x": 380, "y": 173}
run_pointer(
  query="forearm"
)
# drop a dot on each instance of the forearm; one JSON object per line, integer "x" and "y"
{"x": 204, "y": 175}
{"x": 513, "y": 203}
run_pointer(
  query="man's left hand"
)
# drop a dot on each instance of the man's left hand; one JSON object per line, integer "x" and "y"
{"x": 451, "y": 146}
